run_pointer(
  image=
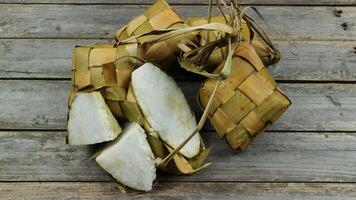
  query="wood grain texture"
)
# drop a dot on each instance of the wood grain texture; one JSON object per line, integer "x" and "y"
{"x": 274, "y": 156}
{"x": 40, "y": 104}
{"x": 33, "y": 104}
{"x": 101, "y": 21}
{"x": 174, "y": 190}
{"x": 174, "y": 2}
{"x": 46, "y": 58}
{"x": 42, "y": 58}
{"x": 36, "y": 43}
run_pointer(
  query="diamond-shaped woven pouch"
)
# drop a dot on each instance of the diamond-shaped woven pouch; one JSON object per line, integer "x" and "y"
{"x": 160, "y": 16}
{"x": 248, "y": 35}
{"x": 247, "y": 102}
{"x": 97, "y": 68}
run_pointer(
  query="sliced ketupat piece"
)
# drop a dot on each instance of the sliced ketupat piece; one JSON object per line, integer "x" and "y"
{"x": 165, "y": 108}
{"x": 129, "y": 159}
{"x": 90, "y": 120}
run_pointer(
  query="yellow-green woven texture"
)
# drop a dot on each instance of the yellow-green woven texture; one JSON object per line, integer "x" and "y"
{"x": 247, "y": 102}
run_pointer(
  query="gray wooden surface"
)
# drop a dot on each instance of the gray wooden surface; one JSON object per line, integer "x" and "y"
{"x": 310, "y": 153}
{"x": 102, "y": 21}
{"x": 179, "y": 190}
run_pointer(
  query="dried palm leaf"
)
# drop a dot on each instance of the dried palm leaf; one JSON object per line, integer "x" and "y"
{"x": 160, "y": 16}
{"x": 102, "y": 68}
{"x": 247, "y": 102}
{"x": 115, "y": 76}
{"x": 265, "y": 52}
{"x": 167, "y": 34}
{"x": 129, "y": 159}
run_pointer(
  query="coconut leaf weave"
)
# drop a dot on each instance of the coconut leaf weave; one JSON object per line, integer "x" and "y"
{"x": 247, "y": 102}
{"x": 100, "y": 68}
{"x": 160, "y": 16}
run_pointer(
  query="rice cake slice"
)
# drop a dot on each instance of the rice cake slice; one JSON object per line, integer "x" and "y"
{"x": 129, "y": 159}
{"x": 165, "y": 108}
{"x": 90, "y": 120}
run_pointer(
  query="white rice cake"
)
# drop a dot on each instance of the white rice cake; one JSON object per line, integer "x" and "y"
{"x": 90, "y": 120}
{"x": 165, "y": 108}
{"x": 129, "y": 159}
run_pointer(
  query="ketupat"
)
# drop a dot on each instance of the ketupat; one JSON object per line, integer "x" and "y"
{"x": 268, "y": 54}
{"x": 98, "y": 125}
{"x": 247, "y": 102}
{"x": 170, "y": 124}
{"x": 165, "y": 108}
{"x": 104, "y": 68}
{"x": 159, "y": 16}
{"x": 88, "y": 61}
{"x": 129, "y": 159}
{"x": 114, "y": 77}
{"x": 108, "y": 71}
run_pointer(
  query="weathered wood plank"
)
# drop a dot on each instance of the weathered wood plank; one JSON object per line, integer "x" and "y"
{"x": 175, "y": 2}
{"x": 173, "y": 190}
{"x": 101, "y": 21}
{"x": 39, "y": 58}
{"x": 45, "y": 58}
{"x": 274, "y": 156}
{"x": 37, "y": 104}
{"x": 33, "y": 104}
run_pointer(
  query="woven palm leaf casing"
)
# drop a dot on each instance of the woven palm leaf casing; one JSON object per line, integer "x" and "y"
{"x": 247, "y": 102}
{"x": 248, "y": 35}
{"x": 160, "y": 16}
{"x": 97, "y": 68}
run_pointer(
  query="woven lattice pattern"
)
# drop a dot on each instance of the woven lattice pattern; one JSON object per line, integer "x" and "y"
{"x": 248, "y": 35}
{"x": 247, "y": 102}
{"x": 159, "y": 16}
{"x": 98, "y": 68}
{"x": 87, "y": 62}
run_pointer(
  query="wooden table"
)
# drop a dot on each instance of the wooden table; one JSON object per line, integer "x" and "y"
{"x": 310, "y": 153}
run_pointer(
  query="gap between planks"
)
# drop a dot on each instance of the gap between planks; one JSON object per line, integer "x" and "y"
{"x": 317, "y": 107}
{"x": 199, "y": 80}
{"x": 26, "y": 21}
{"x": 281, "y": 157}
{"x": 208, "y": 190}
{"x": 189, "y": 3}
{"x": 318, "y": 61}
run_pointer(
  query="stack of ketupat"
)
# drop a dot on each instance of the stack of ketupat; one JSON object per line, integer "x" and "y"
{"x": 120, "y": 99}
